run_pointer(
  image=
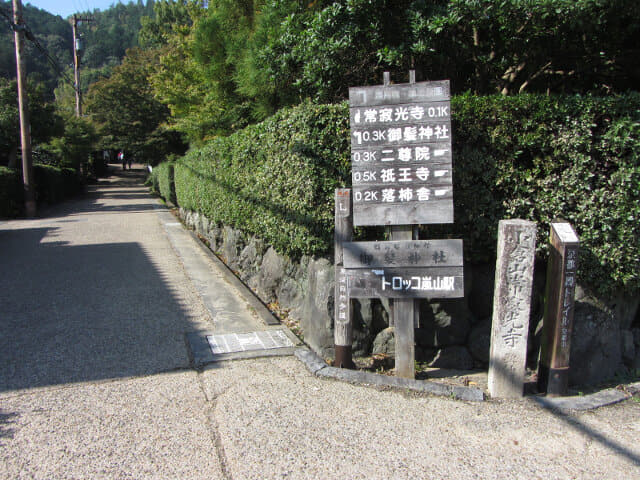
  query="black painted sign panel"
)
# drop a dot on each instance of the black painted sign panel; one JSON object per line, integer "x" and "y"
{"x": 416, "y": 282}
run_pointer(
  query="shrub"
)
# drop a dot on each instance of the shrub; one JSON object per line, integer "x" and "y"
{"x": 161, "y": 181}
{"x": 530, "y": 156}
{"x": 540, "y": 158}
{"x": 274, "y": 179}
{"x": 163, "y": 174}
{"x": 11, "y": 196}
{"x": 54, "y": 184}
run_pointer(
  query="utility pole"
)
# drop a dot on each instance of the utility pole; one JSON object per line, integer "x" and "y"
{"x": 23, "y": 108}
{"x": 77, "y": 55}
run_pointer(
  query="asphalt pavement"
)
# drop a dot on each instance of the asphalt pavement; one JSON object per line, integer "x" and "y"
{"x": 106, "y": 305}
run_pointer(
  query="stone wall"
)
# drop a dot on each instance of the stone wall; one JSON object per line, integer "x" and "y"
{"x": 452, "y": 334}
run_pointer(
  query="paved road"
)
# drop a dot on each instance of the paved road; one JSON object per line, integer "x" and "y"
{"x": 97, "y": 298}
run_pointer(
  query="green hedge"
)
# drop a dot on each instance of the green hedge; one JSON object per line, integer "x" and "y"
{"x": 275, "y": 179}
{"x": 528, "y": 156}
{"x": 539, "y": 158}
{"x": 54, "y": 184}
{"x": 11, "y": 199}
{"x": 166, "y": 185}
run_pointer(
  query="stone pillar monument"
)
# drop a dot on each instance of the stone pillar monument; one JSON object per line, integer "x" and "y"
{"x": 511, "y": 304}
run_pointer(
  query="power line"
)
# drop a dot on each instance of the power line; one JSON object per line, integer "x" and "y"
{"x": 32, "y": 38}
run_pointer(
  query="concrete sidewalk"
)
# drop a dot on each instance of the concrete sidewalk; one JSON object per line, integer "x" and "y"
{"x": 98, "y": 300}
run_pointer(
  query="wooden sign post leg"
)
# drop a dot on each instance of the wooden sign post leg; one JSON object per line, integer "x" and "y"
{"x": 343, "y": 325}
{"x": 404, "y": 310}
{"x": 403, "y": 313}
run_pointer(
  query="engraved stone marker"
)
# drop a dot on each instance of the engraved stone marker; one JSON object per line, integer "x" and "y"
{"x": 511, "y": 303}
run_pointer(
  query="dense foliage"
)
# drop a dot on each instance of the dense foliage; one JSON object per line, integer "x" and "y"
{"x": 128, "y": 115}
{"x": 236, "y": 62}
{"x": 10, "y": 192}
{"x": 53, "y": 33}
{"x": 45, "y": 123}
{"x": 162, "y": 181}
{"x": 52, "y": 184}
{"x": 105, "y": 41}
{"x": 272, "y": 179}
{"x": 529, "y": 156}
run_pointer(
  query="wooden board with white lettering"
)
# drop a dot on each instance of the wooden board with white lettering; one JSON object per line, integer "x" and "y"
{"x": 415, "y": 282}
{"x": 403, "y": 253}
{"x": 401, "y": 154}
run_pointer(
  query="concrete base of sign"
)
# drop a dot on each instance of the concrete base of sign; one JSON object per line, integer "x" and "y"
{"x": 319, "y": 368}
{"x": 585, "y": 402}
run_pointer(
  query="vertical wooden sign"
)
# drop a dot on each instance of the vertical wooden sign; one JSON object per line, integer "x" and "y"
{"x": 553, "y": 372}
{"x": 343, "y": 326}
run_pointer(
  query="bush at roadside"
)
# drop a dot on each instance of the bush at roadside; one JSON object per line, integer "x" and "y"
{"x": 528, "y": 156}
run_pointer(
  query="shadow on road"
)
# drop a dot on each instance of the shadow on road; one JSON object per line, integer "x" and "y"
{"x": 81, "y": 312}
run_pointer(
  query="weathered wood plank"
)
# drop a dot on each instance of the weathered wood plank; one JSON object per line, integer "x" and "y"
{"x": 438, "y": 132}
{"x": 423, "y": 152}
{"x": 343, "y": 325}
{"x": 403, "y": 311}
{"x": 399, "y": 93}
{"x": 403, "y": 253}
{"x": 400, "y": 114}
{"x": 412, "y": 174}
{"x": 432, "y": 211}
{"x": 562, "y": 268}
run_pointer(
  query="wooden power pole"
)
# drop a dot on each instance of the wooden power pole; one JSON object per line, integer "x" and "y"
{"x": 23, "y": 108}
{"x": 77, "y": 55}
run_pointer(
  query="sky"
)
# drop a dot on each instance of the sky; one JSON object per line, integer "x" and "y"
{"x": 65, "y": 8}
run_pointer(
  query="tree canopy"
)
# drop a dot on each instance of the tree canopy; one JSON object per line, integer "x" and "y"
{"x": 236, "y": 62}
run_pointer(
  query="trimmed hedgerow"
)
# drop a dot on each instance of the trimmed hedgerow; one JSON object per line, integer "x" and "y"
{"x": 275, "y": 179}
{"x": 161, "y": 180}
{"x": 54, "y": 184}
{"x": 544, "y": 157}
{"x": 528, "y": 156}
{"x": 10, "y": 192}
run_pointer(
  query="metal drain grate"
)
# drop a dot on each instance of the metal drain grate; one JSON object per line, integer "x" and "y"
{"x": 244, "y": 342}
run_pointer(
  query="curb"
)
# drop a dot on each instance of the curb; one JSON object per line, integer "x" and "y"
{"x": 261, "y": 310}
{"x": 201, "y": 357}
{"x": 599, "y": 399}
{"x": 319, "y": 368}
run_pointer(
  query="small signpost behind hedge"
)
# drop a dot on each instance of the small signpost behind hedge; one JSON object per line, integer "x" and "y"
{"x": 402, "y": 177}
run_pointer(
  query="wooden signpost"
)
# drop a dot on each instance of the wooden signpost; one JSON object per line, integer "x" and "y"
{"x": 553, "y": 375}
{"x": 401, "y": 154}
{"x": 343, "y": 327}
{"x": 402, "y": 176}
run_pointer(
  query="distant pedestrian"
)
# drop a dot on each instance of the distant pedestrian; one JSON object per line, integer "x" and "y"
{"x": 122, "y": 159}
{"x": 129, "y": 161}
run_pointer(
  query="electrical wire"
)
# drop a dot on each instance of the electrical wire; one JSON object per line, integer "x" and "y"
{"x": 32, "y": 38}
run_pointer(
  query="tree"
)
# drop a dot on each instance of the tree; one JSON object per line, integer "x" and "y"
{"x": 45, "y": 123}
{"x": 125, "y": 109}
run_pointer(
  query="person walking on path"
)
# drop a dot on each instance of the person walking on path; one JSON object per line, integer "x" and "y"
{"x": 123, "y": 160}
